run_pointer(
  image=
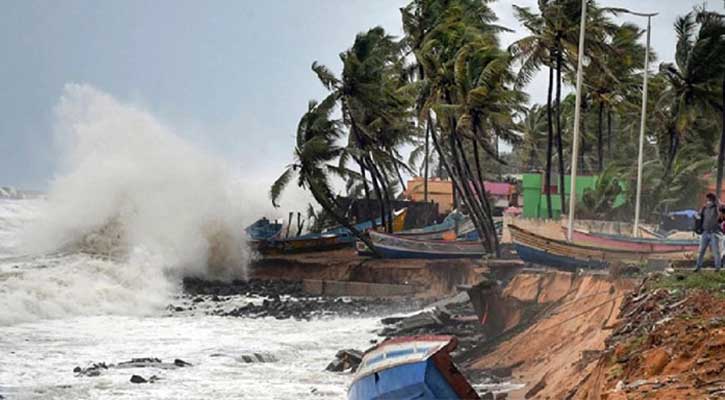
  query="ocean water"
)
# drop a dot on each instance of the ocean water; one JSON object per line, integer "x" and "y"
{"x": 152, "y": 207}
{"x": 65, "y": 310}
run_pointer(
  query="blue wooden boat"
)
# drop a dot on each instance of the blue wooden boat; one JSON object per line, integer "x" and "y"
{"x": 395, "y": 246}
{"x": 263, "y": 229}
{"x": 332, "y": 239}
{"x": 407, "y": 368}
{"x": 538, "y": 249}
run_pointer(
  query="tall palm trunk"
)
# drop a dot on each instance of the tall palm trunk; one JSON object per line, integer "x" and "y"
{"x": 549, "y": 144}
{"x": 385, "y": 185}
{"x": 559, "y": 145}
{"x": 721, "y": 153}
{"x": 600, "y": 139}
{"x": 378, "y": 192}
{"x": 425, "y": 161}
{"x": 453, "y": 171}
{"x": 609, "y": 132}
{"x": 366, "y": 189}
{"x": 491, "y": 227}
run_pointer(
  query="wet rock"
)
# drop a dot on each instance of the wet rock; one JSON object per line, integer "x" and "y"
{"x": 138, "y": 379}
{"x": 348, "y": 359}
{"x": 140, "y": 363}
{"x": 181, "y": 363}
{"x": 336, "y": 365}
{"x": 257, "y": 358}
{"x": 198, "y": 299}
{"x": 90, "y": 371}
{"x": 487, "y": 396}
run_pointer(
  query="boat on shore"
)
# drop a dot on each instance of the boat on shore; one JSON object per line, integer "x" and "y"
{"x": 621, "y": 242}
{"x": 537, "y": 249}
{"x": 263, "y": 229}
{"x": 331, "y": 239}
{"x": 395, "y": 246}
{"x": 415, "y": 367}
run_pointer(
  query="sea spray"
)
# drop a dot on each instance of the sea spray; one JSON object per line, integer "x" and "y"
{"x": 128, "y": 187}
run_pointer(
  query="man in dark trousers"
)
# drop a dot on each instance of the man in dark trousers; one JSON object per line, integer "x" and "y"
{"x": 708, "y": 226}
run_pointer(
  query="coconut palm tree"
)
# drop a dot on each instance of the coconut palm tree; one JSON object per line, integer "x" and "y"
{"x": 376, "y": 110}
{"x": 316, "y": 149}
{"x": 693, "y": 97}
{"x": 533, "y": 130}
{"x": 466, "y": 74}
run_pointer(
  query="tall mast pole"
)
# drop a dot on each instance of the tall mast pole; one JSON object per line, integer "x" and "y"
{"x": 577, "y": 112}
{"x": 642, "y": 126}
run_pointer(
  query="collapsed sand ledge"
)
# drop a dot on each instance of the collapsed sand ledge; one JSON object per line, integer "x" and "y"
{"x": 556, "y": 334}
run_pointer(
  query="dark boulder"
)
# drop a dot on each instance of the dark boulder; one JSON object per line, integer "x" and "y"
{"x": 137, "y": 379}
{"x": 181, "y": 363}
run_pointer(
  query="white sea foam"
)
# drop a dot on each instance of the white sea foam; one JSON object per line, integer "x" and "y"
{"x": 126, "y": 183}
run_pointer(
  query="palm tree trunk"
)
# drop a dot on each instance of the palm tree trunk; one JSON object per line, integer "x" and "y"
{"x": 721, "y": 153}
{"x": 366, "y": 189}
{"x": 491, "y": 227}
{"x": 559, "y": 145}
{"x": 425, "y": 161}
{"x": 455, "y": 180}
{"x": 609, "y": 132}
{"x": 600, "y": 139}
{"x": 378, "y": 192}
{"x": 474, "y": 207}
{"x": 383, "y": 176}
{"x": 549, "y": 144}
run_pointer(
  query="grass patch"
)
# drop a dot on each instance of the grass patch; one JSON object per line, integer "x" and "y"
{"x": 710, "y": 281}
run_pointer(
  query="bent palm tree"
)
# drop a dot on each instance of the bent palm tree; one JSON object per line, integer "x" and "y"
{"x": 315, "y": 150}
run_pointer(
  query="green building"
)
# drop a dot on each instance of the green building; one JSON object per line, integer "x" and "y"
{"x": 535, "y": 196}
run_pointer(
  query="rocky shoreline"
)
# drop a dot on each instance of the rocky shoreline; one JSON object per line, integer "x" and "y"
{"x": 279, "y": 299}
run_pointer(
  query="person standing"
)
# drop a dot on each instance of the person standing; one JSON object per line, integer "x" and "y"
{"x": 708, "y": 226}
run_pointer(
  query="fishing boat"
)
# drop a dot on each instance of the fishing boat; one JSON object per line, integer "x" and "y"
{"x": 620, "y": 242}
{"x": 332, "y": 239}
{"x": 263, "y": 229}
{"x": 305, "y": 243}
{"x": 394, "y": 246}
{"x": 415, "y": 367}
{"x": 538, "y": 249}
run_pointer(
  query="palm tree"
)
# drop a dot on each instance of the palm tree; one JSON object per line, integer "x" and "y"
{"x": 533, "y": 129}
{"x": 466, "y": 74}
{"x": 712, "y": 32}
{"x": 611, "y": 75}
{"x": 692, "y": 96}
{"x": 376, "y": 110}
{"x": 532, "y": 52}
{"x": 315, "y": 150}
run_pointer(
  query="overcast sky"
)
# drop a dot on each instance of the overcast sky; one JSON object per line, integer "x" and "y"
{"x": 232, "y": 76}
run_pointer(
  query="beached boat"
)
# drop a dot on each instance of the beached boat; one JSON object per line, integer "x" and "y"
{"x": 331, "y": 239}
{"x": 305, "y": 243}
{"x": 538, "y": 249}
{"x": 416, "y": 367}
{"x": 263, "y": 229}
{"x": 394, "y": 246}
{"x": 620, "y": 242}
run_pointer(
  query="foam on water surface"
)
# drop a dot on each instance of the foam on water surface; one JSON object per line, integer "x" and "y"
{"x": 38, "y": 358}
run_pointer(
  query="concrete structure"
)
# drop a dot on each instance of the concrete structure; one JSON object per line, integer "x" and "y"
{"x": 440, "y": 191}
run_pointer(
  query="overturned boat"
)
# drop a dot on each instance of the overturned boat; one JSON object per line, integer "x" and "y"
{"x": 414, "y": 367}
